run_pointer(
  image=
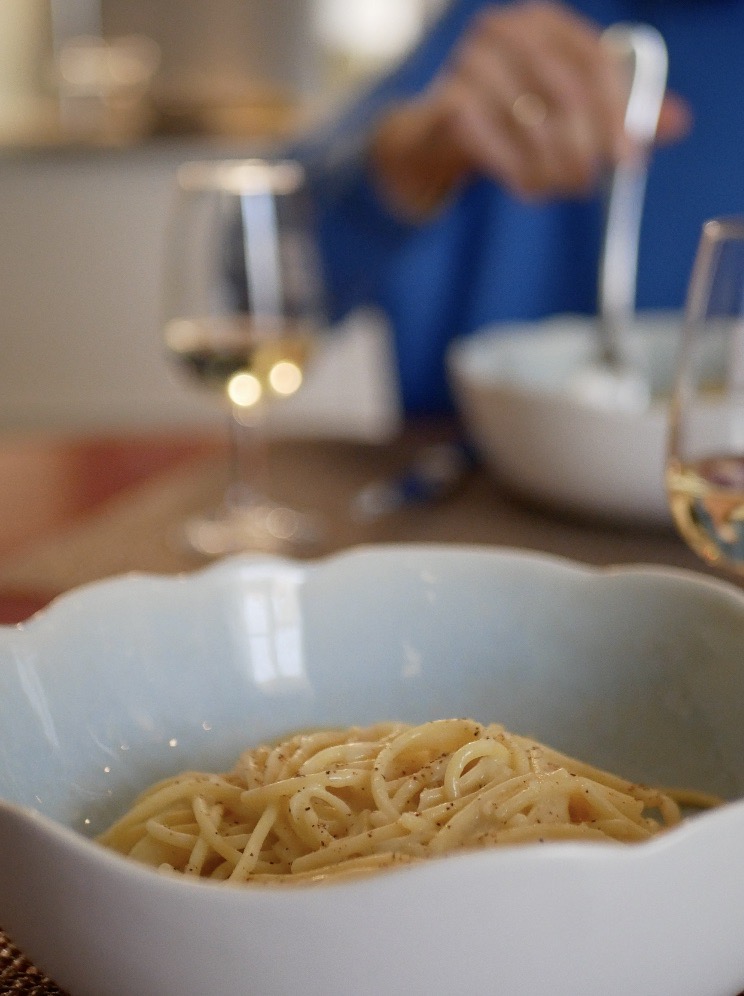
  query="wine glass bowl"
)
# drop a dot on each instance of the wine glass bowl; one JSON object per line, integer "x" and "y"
{"x": 244, "y": 309}
{"x": 705, "y": 461}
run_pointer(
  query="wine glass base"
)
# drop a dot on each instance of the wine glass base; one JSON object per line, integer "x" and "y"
{"x": 266, "y": 527}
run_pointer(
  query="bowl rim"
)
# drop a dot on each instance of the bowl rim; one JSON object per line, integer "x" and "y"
{"x": 575, "y": 331}
{"x": 256, "y": 563}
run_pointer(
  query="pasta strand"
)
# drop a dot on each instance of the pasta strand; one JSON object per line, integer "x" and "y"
{"x": 356, "y": 800}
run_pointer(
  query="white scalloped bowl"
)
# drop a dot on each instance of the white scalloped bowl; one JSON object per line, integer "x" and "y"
{"x": 513, "y": 386}
{"x": 119, "y": 683}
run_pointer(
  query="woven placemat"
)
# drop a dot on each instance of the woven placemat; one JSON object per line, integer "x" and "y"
{"x": 18, "y": 975}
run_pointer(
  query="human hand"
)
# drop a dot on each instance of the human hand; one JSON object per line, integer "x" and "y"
{"x": 529, "y": 97}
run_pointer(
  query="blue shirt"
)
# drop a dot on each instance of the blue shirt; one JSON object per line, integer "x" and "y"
{"x": 490, "y": 257}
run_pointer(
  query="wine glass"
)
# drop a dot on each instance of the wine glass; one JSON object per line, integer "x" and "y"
{"x": 705, "y": 461}
{"x": 243, "y": 301}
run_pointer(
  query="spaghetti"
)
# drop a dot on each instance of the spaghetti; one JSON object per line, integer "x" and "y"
{"x": 336, "y": 801}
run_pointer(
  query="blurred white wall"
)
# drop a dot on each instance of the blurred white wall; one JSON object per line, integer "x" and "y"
{"x": 81, "y": 247}
{"x": 80, "y": 244}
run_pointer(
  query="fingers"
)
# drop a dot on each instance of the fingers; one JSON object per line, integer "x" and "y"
{"x": 535, "y": 100}
{"x": 530, "y": 97}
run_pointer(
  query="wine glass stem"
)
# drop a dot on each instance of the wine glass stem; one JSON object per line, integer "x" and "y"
{"x": 248, "y": 457}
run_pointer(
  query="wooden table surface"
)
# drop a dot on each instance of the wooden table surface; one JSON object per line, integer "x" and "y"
{"x": 76, "y": 509}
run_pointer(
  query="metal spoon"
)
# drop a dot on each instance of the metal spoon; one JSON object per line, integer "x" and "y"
{"x": 614, "y": 381}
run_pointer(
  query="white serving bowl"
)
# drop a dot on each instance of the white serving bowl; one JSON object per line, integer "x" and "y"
{"x": 125, "y": 681}
{"x": 512, "y": 384}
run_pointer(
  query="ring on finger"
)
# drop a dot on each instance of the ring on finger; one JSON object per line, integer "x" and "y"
{"x": 529, "y": 110}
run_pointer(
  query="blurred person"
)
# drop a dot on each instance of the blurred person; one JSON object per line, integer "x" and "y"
{"x": 464, "y": 188}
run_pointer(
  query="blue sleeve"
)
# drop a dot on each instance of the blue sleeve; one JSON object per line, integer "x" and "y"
{"x": 357, "y": 233}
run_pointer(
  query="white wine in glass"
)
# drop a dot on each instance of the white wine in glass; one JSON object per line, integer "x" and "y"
{"x": 244, "y": 307}
{"x": 705, "y": 461}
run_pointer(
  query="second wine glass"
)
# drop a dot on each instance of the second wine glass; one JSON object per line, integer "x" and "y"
{"x": 705, "y": 463}
{"x": 244, "y": 306}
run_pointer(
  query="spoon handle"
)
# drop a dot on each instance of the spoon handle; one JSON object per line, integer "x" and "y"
{"x": 642, "y": 49}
